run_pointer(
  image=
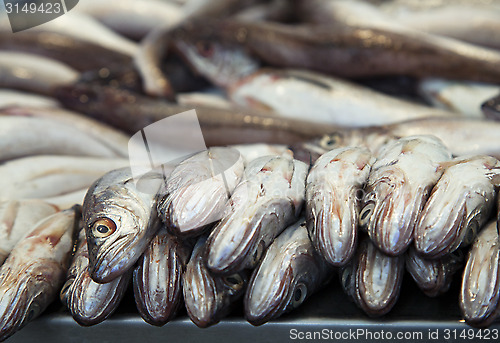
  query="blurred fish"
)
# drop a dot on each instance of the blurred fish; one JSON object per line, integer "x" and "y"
{"x": 119, "y": 221}
{"x": 197, "y": 191}
{"x": 90, "y": 302}
{"x": 333, "y": 191}
{"x": 373, "y": 279}
{"x": 433, "y": 276}
{"x": 17, "y": 219}
{"x": 33, "y": 273}
{"x": 398, "y": 186}
{"x": 290, "y": 272}
{"x": 158, "y": 278}
{"x": 457, "y": 96}
{"x": 459, "y": 205}
{"x": 491, "y": 108}
{"x": 274, "y": 10}
{"x": 10, "y": 98}
{"x": 209, "y": 297}
{"x": 266, "y": 201}
{"x": 480, "y": 291}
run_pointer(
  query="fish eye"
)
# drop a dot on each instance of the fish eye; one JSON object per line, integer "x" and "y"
{"x": 299, "y": 295}
{"x": 471, "y": 232}
{"x": 329, "y": 141}
{"x": 234, "y": 281}
{"x": 205, "y": 49}
{"x": 103, "y": 227}
{"x": 365, "y": 214}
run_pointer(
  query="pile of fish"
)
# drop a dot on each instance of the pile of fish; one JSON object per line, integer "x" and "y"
{"x": 346, "y": 141}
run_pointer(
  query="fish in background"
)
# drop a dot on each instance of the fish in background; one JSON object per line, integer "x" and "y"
{"x": 491, "y": 108}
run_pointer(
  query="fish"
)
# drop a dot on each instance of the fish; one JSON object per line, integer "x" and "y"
{"x": 9, "y": 97}
{"x": 119, "y": 221}
{"x": 433, "y": 276}
{"x": 89, "y": 302}
{"x": 33, "y": 273}
{"x": 76, "y": 53}
{"x": 479, "y": 293}
{"x": 458, "y": 207}
{"x": 373, "y": 279}
{"x": 158, "y": 278}
{"x": 209, "y": 297}
{"x": 265, "y": 202}
{"x": 457, "y": 96}
{"x": 17, "y": 219}
{"x": 400, "y": 182}
{"x": 131, "y": 112}
{"x": 31, "y": 136}
{"x": 32, "y": 73}
{"x": 290, "y": 272}
{"x": 333, "y": 189}
{"x": 491, "y": 108}
{"x": 197, "y": 191}
{"x": 44, "y": 176}
{"x": 317, "y": 98}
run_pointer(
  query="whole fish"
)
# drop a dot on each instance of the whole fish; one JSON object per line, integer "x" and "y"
{"x": 90, "y": 302}
{"x": 33, "y": 273}
{"x": 46, "y": 176}
{"x": 17, "y": 219}
{"x": 398, "y": 186}
{"x": 433, "y": 276}
{"x": 79, "y": 54}
{"x": 480, "y": 292}
{"x": 457, "y": 96}
{"x": 306, "y": 95}
{"x": 266, "y": 201}
{"x": 209, "y": 297}
{"x": 131, "y": 112}
{"x": 491, "y": 108}
{"x": 158, "y": 278}
{"x": 290, "y": 272}
{"x": 197, "y": 191}
{"x": 458, "y": 207}
{"x": 33, "y": 73}
{"x": 373, "y": 279}
{"x": 119, "y": 222}
{"x": 332, "y": 204}
{"x": 10, "y": 98}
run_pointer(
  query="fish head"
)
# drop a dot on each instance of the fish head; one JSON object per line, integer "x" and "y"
{"x": 491, "y": 108}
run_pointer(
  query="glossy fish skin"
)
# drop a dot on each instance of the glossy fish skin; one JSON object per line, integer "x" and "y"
{"x": 434, "y": 276}
{"x": 32, "y": 275}
{"x": 89, "y": 302}
{"x": 158, "y": 278}
{"x": 458, "y": 207}
{"x": 491, "y": 108}
{"x": 197, "y": 191}
{"x": 263, "y": 205}
{"x": 17, "y": 219}
{"x": 373, "y": 279}
{"x": 289, "y": 273}
{"x": 119, "y": 222}
{"x": 209, "y": 297}
{"x": 398, "y": 186}
{"x": 332, "y": 204}
{"x": 480, "y": 292}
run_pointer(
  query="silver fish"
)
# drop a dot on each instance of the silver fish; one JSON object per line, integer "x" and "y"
{"x": 119, "y": 221}
{"x": 373, "y": 279}
{"x": 434, "y": 276}
{"x": 17, "y": 219}
{"x": 208, "y": 297}
{"x": 33, "y": 273}
{"x": 262, "y": 205}
{"x": 480, "y": 292}
{"x": 158, "y": 278}
{"x": 197, "y": 191}
{"x": 289, "y": 273}
{"x": 90, "y": 302}
{"x": 398, "y": 186}
{"x": 458, "y": 207}
{"x": 332, "y": 191}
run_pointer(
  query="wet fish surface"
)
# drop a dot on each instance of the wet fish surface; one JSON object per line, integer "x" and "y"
{"x": 290, "y": 272}
{"x": 332, "y": 205}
